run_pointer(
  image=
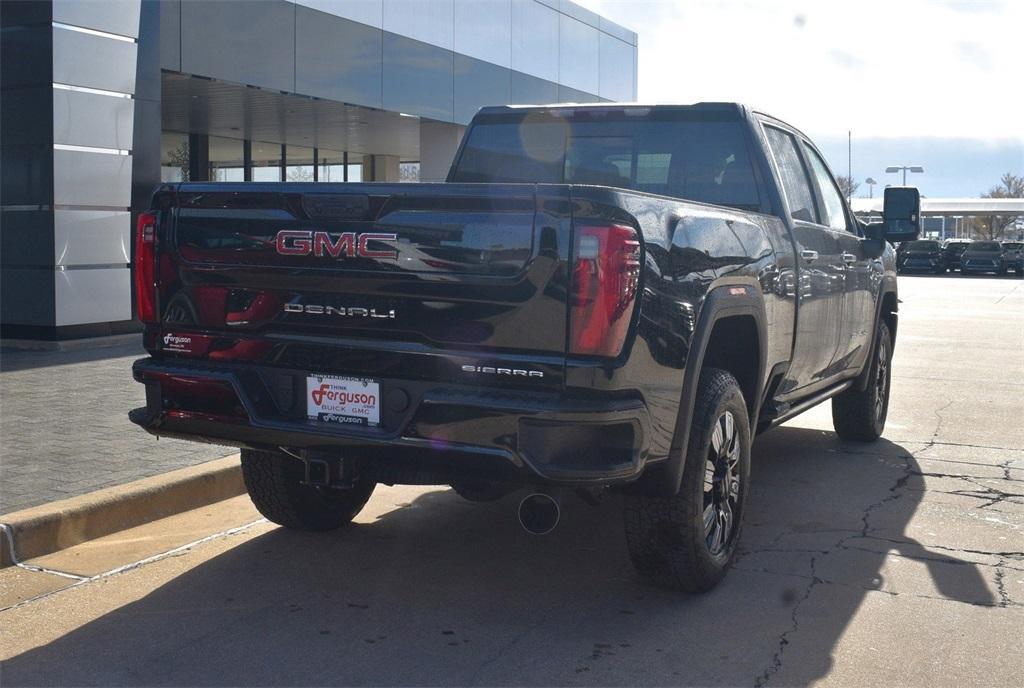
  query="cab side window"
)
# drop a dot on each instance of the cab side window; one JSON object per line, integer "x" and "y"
{"x": 835, "y": 215}
{"x": 792, "y": 175}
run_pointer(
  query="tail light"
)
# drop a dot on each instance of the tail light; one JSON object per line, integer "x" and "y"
{"x": 145, "y": 268}
{"x": 606, "y": 272}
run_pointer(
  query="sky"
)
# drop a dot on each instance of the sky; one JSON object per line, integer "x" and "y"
{"x": 936, "y": 83}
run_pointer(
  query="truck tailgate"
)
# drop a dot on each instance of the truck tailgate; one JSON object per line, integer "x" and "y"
{"x": 472, "y": 271}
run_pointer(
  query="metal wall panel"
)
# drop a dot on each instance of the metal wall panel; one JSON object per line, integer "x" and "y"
{"x": 91, "y": 179}
{"x": 27, "y": 177}
{"x": 579, "y": 13}
{"x": 27, "y": 297}
{"x": 578, "y": 54}
{"x": 429, "y": 21}
{"x": 574, "y": 95}
{"x": 244, "y": 41}
{"x": 616, "y": 69}
{"x": 113, "y": 16}
{"x": 418, "y": 78}
{"x": 170, "y": 34}
{"x": 87, "y": 119}
{"x": 478, "y": 84}
{"x": 529, "y": 90}
{"x": 92, "y": 296}
{"x": 91, "y": 237}
{"x": 338, "y": 59}
{"x": 26, "y": 238}
{"x": 369, "y": 12}
{"x": 535, "y": 39}
{"x": 620, "y": 32}
{"x": 82, "y": 59}
{"x": 484, "y": 30}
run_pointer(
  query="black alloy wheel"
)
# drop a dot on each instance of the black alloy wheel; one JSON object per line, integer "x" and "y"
{"x": 721, "y": 485}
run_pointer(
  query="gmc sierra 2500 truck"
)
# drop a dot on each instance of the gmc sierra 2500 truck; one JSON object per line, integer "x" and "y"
{"x": 601, "y": 297}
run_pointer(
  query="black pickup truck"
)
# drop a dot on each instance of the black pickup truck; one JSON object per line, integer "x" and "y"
{"x": 601, "y": 297}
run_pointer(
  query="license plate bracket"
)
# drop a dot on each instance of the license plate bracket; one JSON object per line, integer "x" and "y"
{"x": 343, "y": 400}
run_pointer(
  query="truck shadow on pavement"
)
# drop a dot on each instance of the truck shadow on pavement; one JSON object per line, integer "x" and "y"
{"x": 441, "y": 591}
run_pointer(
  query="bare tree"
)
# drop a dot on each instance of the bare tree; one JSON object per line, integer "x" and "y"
{"x": 994, "y": 227}
{"x": 847, "y": 186}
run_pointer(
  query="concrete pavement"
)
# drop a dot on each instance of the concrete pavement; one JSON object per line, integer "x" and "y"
{"x": 899, "y": 562}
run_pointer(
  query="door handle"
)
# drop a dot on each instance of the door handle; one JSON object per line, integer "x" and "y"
{"x": 809, "y": 255}
{"x": 849, "y": 258}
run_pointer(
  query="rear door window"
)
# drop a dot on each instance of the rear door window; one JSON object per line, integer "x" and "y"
{"x": 793, "y": 175}
{"x": 834, "y": 212}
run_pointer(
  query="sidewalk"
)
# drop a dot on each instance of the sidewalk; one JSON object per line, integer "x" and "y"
{"x": 64, "y": 428}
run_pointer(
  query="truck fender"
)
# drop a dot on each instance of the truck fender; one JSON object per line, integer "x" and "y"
{"x": 721, "y": 302}
{"x": 888, "y": 287}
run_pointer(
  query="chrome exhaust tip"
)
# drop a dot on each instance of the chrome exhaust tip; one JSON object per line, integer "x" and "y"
{"x": 539, "y": 513}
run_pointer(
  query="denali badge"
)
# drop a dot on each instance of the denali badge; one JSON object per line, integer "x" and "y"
{"x": 489, "y": 370}
{"x": 291, "y": 242}
{"x": 356, "y": 312}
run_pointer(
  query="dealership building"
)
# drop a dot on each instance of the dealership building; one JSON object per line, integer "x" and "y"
{"x": 103, "y": 100}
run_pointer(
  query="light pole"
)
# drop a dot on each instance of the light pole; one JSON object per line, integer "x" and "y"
{"x": 871, "y": 186}
{"x": 905, "y": 169}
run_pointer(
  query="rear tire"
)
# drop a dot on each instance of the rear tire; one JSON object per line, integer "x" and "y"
{"x": 273, "y": 480}
{"x": 860, "y": 414}
{"x": 687, "y": 542}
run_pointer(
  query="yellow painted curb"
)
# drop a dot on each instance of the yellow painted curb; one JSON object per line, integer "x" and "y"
{"x": 55, "y": 526}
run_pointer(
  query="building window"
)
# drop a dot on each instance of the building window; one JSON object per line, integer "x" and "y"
{"x": 226, "y": 160}
{"x": 266, "y": 162}
{"x": 173, "y": 157}
{"x": 409, "y": 171}
{"x": 299, "y": 161}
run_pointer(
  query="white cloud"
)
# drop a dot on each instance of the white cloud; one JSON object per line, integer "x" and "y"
{"x": 883, "y": 68}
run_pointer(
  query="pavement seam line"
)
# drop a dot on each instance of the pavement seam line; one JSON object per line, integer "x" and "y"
{"x": 81, "y": 580}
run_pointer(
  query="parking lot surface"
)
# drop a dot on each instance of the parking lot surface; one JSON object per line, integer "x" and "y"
{"x": 64, "y": 428}
{"x": 898, "y": 562}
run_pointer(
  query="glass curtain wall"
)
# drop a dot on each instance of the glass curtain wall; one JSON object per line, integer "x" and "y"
{"x": 332, "y": 166}
{"x": 300, "y": 162}
{"x": 227, "y": 160}
{"x": 266, "y": 162}
{"x": 173, "y": 157}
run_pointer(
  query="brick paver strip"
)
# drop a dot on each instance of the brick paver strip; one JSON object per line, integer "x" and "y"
{"x": 64, "y": 428}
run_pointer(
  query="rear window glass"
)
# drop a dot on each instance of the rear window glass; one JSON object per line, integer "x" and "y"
{"x": 984, "y": 246}
{"x": 924, "y": 245}
{"x": 1013, "y": 245}
{"x": 696, "y": 158}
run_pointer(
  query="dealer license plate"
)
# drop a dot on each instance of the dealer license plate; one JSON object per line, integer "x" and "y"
{"x": 345, "y": 400}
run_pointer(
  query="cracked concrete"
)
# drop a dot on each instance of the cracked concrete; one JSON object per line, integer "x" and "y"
{"x": 899, "y": 562}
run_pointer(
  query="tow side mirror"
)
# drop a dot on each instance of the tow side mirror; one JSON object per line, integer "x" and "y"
{"x": 901, "y": 214}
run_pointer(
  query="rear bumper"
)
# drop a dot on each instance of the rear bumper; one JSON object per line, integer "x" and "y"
{"x": 453, "y": 430}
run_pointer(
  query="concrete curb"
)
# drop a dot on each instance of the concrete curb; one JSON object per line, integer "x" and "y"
{"x": 52, "y": 527}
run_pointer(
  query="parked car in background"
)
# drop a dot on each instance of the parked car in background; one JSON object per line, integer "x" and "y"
{"x": 922, "y": 256}
{"x": 1013, "y": 257}
{"x": 982, "y": 256}
{"x": 952, "y": 249}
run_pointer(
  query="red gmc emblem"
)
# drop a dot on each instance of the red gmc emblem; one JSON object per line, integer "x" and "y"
{"x": 295, "y": 242}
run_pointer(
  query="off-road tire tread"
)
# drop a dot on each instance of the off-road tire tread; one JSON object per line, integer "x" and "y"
{"x": 685, "y": 565}
{"x": 272, "y": 480}
{"x": 853, "y": 411}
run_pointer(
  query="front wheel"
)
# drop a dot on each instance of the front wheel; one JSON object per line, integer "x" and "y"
{"x": 274, "y": 483}
{"x": 687, "y": 542}
{"x": 860, "y": 414}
